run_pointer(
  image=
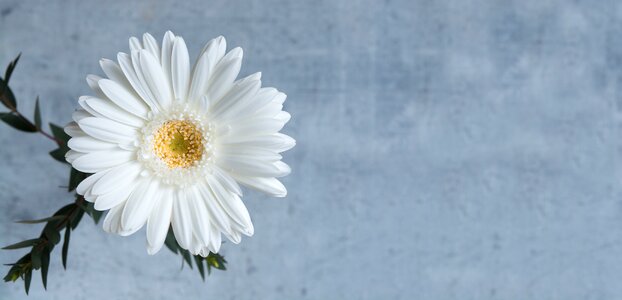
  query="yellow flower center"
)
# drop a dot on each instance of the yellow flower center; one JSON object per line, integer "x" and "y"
{"x": 178, "y": 143}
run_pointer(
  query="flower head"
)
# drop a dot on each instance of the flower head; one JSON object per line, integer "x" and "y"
{"x": 167, "y": 144}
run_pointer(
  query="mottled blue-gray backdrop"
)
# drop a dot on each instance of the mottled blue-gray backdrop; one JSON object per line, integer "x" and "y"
{"x": 446, "y": 149}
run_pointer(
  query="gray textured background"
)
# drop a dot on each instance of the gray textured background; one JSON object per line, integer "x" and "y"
{"x": 446, "y": 149}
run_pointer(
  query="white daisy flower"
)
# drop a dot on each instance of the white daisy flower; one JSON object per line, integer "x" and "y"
{"x": 167, "y": 143}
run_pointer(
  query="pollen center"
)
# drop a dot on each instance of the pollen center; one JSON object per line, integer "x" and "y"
{"x": 178, "y": 144}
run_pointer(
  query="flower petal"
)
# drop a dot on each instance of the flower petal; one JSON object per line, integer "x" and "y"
{"x": 98, "y": 161}
{"x": 180, "y": 69}
{"x": 159, "y": 222}
{"x": 140, "y": 203}
{"x": 117, "y": 178}
{"x": 108, "y": 130}
{"x": 224, "y": 74}
{"x": 88, "y": 144}
{"x": 270, "y": 186}
{"x": 151, "y": 45}
{"x": 155, "y": 79}
{"x": 181, "y": 219}
{"x": 88, "y": 182}
{"x": 114, "y": 197}
{"x": 123, "y": 98}
{"x": 113, "y": 112}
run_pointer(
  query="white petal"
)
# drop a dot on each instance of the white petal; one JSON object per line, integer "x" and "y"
{"x": 180, "y": 69}
{"x": 276, "y": 142}
{"x": 155, "y": 79}
{"x": 89, "y": 144}
{"x": 181, "y": 220}
{"x": 92, "y": 81}
{"x": 71, "y": 156}
{"x": 88, "y": 182}
{"x": 232, "y": 205}
{"x": 215, "y": 50}
{"x": 148, "y": 96}
{"x": 284, "y": 169}
{"x": 73, "y": 130}
{"x": 111, "y": 111}
{"x": 98, "y": 161}
{"x": 260, "y": 126}
{"x": 224, "y": 74}
{"x": 270, "y": 186}
{"x": 80, "y": 114}
{"x": 112, "y": 222}
{"x": 216, "y": 240}
{"x": 248, "y": 166}
{"x": 108, "y": 130}
{"x": 159, "y": 222}
{"x": 200, "y": 77}
{"x": 114, "y": 72}
{"x": 217, "y": 215}
{"x": 135, "y": 44}
{"x": 200, "y": 217}
{"x": 123, "y": 98}
{"x": 117, "y": 178}
{"x": 239, "y": 96}
{"x": 85, "y": 106}
{"x": 139, "y": 204}
{"x": 167, "y": 52}
{"x": 151, "y": 45}
{"x": 226, "y": 180}
{"x": 114, "y": 197}
{"x": 127, "y": 65}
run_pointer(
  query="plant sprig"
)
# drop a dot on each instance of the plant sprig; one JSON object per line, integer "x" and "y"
{"x": 67, "y": 218}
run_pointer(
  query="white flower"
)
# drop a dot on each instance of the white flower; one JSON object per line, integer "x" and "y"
{"x": 168, "y": 143}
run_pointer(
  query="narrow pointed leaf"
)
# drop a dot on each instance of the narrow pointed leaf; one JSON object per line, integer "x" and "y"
{"x": 6, "y": 96}
{"x": 53, "y": 218}
{"x": 170, "y": 241}
{"x": 27, "y": 279}
{"x": 22, "y": 244}
{"x": 199, "y": 261}
{"x": 66, "y": 245}
{"x": 59, "y": 134}
{"x": 45, "y": 265}
{"x": 185, "y": 254}
{"x": 59, "y": 155}
{"x": 97, "y": 215}
{"x": 18, "y": 122}
{"x": 10, "y": 68}
{"x": 37, "y": 115}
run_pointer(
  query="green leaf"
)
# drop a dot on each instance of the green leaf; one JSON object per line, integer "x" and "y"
{"x": 170, "y": 241}
{"x": 199, "y": 261}
{"x": 37, "y": 115}
{"x": 59, "y": 133}
{"x": 59, "y": 155}
{"x": 27, "y": 278}
{"x": 41, "y": 220}
{"x": 76, "y": 219}
{"x": 6, "y": 96}
{"x": 35, "y": 255}
{"x": 51, "y": 233}
{"x": 217, "y": 261}
{"x": 75, "y": 177}
{"x": 17, "y": 122}
{"x": 22, "y": 244}
{"x": 45, "y": 265}
{"x": 66, "y": 245}
{"x": 185, "y": 254}
{"x": 97, "y": 215}
{"x": 10, "y": 68}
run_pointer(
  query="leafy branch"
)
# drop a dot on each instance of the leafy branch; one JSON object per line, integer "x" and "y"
{"x": 67, "y": 218}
